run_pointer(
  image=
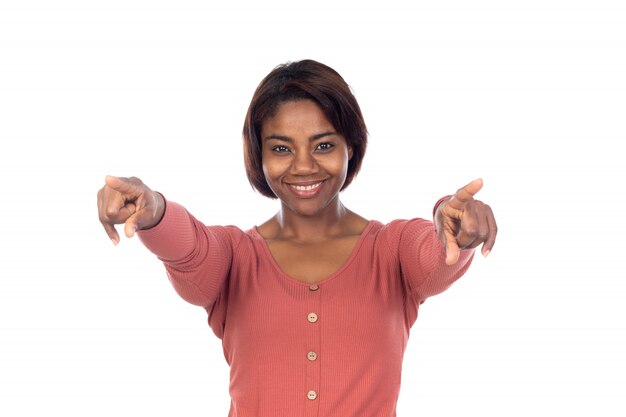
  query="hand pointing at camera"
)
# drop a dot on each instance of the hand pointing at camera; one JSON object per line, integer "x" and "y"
{"x": 465, "y": 223}
{"x": 130, "y": 202}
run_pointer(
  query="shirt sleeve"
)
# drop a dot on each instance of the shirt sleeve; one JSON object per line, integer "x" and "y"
{"x": 197, "y": 258}
{"x": 422, "y": 258}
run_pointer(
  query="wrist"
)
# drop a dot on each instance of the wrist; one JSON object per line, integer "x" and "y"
{"x": 159, "y": 211}
{"x": 439, "y": 203}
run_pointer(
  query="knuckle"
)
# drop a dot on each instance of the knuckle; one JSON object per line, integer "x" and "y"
{"x": 135, "y": 181}
{"x": 110, "y": 212}
{"x": 471, "y": 230}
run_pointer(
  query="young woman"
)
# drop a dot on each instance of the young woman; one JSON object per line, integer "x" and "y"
{"x": 313, "y": 306}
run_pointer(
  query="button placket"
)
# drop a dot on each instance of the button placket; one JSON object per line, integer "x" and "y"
{"x": 313, "y": 325}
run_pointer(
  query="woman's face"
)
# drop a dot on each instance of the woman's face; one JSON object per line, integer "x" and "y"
{"x": 305, "y": 161}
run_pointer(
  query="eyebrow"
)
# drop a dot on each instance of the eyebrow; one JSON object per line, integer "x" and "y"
{"x": 312, "y": 138}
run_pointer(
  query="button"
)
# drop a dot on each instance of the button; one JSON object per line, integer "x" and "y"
{"x": 314, "y": 287}
{"x": 312, "y": 317}
{"x": 311, "y": 356}
{"x": 311, "y": 395}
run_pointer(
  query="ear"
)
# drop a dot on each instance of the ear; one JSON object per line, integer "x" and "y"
{"x": 350, "y": 152}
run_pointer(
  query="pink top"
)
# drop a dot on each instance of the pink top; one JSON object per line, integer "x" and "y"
{"x": 299, "y": 350}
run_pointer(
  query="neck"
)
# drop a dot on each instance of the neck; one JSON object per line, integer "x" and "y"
{"x": 331, "y": 222}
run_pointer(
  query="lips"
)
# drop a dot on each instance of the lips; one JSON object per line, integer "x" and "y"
{"x": 308, "y": 189}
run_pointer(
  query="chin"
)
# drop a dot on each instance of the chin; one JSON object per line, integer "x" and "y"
{"x": 306, "y": 208}
{"x": 306, "y": 211}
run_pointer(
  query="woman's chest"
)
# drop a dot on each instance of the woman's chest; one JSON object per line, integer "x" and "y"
{"x": 312, "y": 262}
{"x": 349, "y": 311}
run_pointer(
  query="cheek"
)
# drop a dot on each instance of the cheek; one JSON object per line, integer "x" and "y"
{"x": 339, "y": 168}
{"x": 267, "y": 171}
{"x": 340, "y": 165}
{"x": 264, "y": 164}
{"x": 272, "y": 167}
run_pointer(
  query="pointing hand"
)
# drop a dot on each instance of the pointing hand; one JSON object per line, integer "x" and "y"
{"x": 464, "y": 223}
{"x": 130, "y": 202}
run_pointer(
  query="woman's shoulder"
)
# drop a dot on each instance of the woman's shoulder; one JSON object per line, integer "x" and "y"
{"x": 266, "y": 230}
{"x": 393, "y": 231}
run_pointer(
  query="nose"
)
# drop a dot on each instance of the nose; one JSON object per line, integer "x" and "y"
{"x": 304, "y": 163}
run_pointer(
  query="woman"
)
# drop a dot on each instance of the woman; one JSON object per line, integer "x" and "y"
{"x": 313, "y": 306}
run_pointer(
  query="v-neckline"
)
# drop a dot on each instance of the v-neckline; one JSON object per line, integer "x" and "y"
{"x": 345, "y": 265}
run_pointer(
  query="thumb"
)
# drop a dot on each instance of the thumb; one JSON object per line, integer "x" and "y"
{"x": 132, "y": 224}
{"x": 452, "y": 249}
{"x": 143, "y": 217}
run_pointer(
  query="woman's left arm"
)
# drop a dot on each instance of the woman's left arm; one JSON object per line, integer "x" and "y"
{"x": 433, "y": 255}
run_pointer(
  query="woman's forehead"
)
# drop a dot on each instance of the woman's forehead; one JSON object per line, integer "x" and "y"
{"x": 298, "y": 117}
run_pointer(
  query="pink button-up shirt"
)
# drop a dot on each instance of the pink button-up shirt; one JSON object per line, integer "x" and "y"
{"x": 333, "y": 349}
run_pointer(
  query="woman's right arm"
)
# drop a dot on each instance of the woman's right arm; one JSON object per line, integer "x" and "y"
{"x": 197, "y": 258}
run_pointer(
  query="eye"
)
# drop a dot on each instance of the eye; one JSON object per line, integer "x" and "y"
{"x": 280, "y": 149}
{"x": 325, "y": 146}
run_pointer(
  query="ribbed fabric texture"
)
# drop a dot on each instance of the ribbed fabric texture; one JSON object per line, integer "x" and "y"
{"x": 296, "y": 350}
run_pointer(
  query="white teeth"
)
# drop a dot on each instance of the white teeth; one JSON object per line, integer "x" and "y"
{"x": 306, "y": 187}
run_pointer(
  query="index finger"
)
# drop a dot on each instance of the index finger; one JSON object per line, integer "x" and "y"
{"x": 121, "y": 184}
{"x": 465, "y": 194}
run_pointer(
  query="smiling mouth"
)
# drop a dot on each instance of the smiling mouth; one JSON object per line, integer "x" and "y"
{"x": 306, "y": 187}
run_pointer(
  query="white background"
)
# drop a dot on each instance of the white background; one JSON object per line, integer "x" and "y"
{"x": 528, "y": 95}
